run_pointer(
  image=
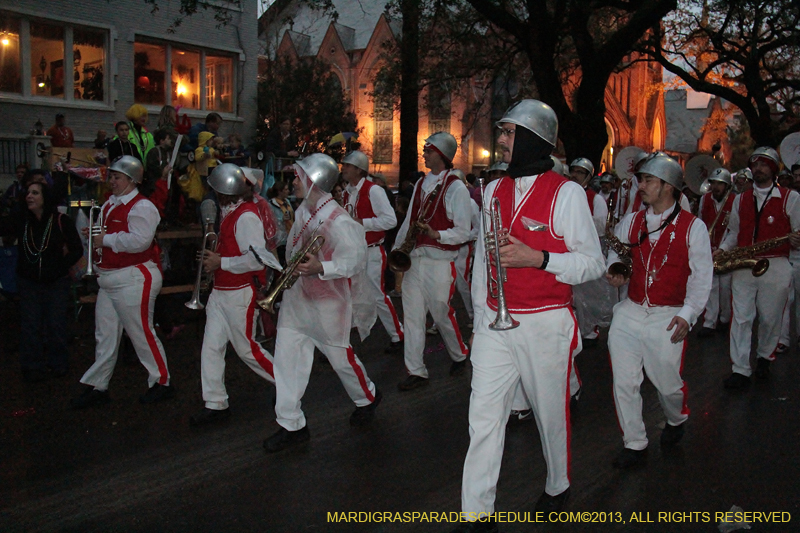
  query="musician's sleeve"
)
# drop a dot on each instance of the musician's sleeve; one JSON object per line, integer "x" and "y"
{"x": 143, "y": 219}
{"x": 385, "y": 218}
{"x": 793, "y": 210}
{"x": 457, "y": 204}
{"x": 698, "y": 286}
{"x": 349, "y": 250}
{"x": 731, "y": 237}
{"x": 600, "y": 214}
{"x": 401, "y": 233}
{"x": 249, "y": 232}
{"x": 572, "y": 219}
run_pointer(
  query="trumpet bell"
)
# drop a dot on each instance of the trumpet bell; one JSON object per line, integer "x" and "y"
{"x": 195, "y": 304}
{"x": 399, "y": 261}
{"x": 503, "y": 322}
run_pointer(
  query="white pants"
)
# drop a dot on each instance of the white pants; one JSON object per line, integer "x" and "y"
{"x": 766, "y": 296}
{"x": 125, "y": 301}
{"x": 795, "y": 286}
{"x": 719, "y": 301}
{"x": 537, "y": 355}
{"x": 294, "y": 356}
{"x": 463, "y": 276}
{"x": 230, "y": 317}
{"x": 428, "y": 286}
{"x": 638, "y": 340}
{"x": 376, "y": 266}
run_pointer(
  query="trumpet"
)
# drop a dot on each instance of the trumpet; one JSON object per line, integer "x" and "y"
{"x": 95, "y": 228}
{"x": 201, "y": 282}
{"x": 400, "y": 258}
{"x": 289, "y": 275}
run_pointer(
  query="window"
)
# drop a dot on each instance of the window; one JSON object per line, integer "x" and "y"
{"x": 438, "y": 109}
{"x": 10, "y": 54}
{"x": 88, "y": 60}
{"x": 384, "y": 131}
{"x": 196, "y": 79}
{"x": 47, "y": 60}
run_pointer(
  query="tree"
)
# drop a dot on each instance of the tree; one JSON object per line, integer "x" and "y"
{"x": 409, "y": 102}
{"x": 311, "y": 94}
{"x": 746, "y": 51}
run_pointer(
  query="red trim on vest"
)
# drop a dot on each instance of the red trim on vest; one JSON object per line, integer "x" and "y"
{"x": 228, "y": 247}
{"x": 709, "y": 213}
{"x": 531, "y": 290}
{"x": 117, "y": 222}
{"x": 669, "y": 287}
{"x": 437, "y": 220}
{"x": 149, "y": 334}
{"x": 590, "y": 194}
{"x": 364, "y": 209}
{"x": 780, "y": 226}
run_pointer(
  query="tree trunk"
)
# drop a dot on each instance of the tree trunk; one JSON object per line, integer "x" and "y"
{"x": 409, "y": 89}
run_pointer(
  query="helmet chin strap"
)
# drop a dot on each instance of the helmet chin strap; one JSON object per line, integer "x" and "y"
{"x": 128, "y": 189}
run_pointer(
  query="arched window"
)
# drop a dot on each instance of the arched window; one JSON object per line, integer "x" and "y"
{"x": 658, "y": 135}
{"x": 607, "y": 162}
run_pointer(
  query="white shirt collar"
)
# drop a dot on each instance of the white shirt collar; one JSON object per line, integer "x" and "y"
{"x": 352, "y": 190}
{"x": 125, "y": 198}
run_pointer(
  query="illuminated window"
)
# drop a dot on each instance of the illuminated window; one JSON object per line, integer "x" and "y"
{"x": 149, "y": 66}
{"x": 219, "y": 77}
{"x": 10, "y": 55}
{"x": 48, "y": 72}
{"x": 185, "y": 78}
{"x": 88, "y": 61}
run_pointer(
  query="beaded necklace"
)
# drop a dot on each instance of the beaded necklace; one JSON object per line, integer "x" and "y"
{"x": 652, "y": 273}
{"x": 34, "y": 253}
{"x": 313, "y": 214}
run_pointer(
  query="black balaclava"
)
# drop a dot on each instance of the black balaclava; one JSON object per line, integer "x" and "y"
{"x": 531, "y": 154}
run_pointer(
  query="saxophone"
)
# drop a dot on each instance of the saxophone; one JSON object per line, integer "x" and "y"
{"x": 745, "y": 257}
{"x": 623, "y": 250}
{"x": 400, "y": 258}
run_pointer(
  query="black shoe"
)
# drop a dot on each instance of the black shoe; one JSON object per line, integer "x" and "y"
{"x": 484, "y": 525}
{"x": 551, "y": 504}
{"x": 412, "y": 382}
{"x": 364, "y": 415}
{"x": 394, "y": 347}
{"x": 762, "y": 368}
{"x": 724, "y": 327}
{"x": 705, "y": 333}
{"x": 208, "y": 416}
{"x": 630, "y": 458}
{"x": 34, "y": 375}
{"x": 458, "y": 367}
{"x": 736, "y": 381}
{"x": 518, "y": 417}
{"x": 89, "y": 398}
{"x": 157, "y": 393}
{"x": 672, "y": 435}
{"x": 284, "y": 438}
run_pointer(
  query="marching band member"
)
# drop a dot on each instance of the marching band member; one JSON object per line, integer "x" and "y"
{"x": 430, "y": 282}
{"x": 317, "y": 309}
{"x": 743, "y": 181}
{"x": 715, "y": 208}
{"x": 606, "y": 186}
{"x": 130, "y": 279}
{"x": 581, "y": 171}
{"x": 669, "y": 285}
{"x": 552, "y": 246}
{"x": 231, "y": 311}
{"x": 466, "y": 254}
{"x": 764, "y": 212}
{"x": 370, "y": 207}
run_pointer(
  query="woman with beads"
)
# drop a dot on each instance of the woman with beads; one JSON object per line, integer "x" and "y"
{"x": 48, "y": 246}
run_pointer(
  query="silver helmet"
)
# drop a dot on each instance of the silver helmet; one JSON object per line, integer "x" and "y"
{"x": 583, "y": 163}
{"x": 445, "y": 143}
{"x": 767, "y": 153}
{"x": 535, "y": 116}
{"x": 607, "y": 178}
{"x": 321, "y": 169}
{"x": 229, "y": 179}
{"x": 499, "y": 166}
{"x": 558, "y": 166}
{"x": 745, "y": 173}
{"x": 130, "y": 166}
{"x": 357, "y": 159}
{"x": 663, "y": 167}
{"x": 721, "y": 175}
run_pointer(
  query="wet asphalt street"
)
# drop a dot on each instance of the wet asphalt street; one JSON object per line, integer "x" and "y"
{"x": 129, "y": 467}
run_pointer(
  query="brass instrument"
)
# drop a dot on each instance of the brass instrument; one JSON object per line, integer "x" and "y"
{"x": 721, "y": 209}
{"x": 202, "y": 283}
{"x": 744, "y": 257}
{"x": 289, "y": 276}
{"x": 95, "y": 228}
{"x": 400, "y": 258}
{"x": 623, "y": 250}
{"x": 493, "y": 238}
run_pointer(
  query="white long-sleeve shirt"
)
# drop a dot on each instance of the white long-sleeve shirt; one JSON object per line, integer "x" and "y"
{"x": 385, "y": 217}
{"x": 456, "y": 203}
{"x": 571, "y": 219}
{"x": 249, "y": 231}
{"x": 731, "y": 238}
{"x": 698, "y": 286}
{"x": 143, "y": 220}
{"x": 599, "y": 214}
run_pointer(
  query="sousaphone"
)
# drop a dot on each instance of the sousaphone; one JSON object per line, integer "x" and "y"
{"x": 790, "y": 149}
{"x": 697, "y": 171}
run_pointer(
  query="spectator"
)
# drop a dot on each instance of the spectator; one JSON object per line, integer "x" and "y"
{"x": 141, "y": 139}
{"x": 16, "y": 191}
{"x": 60, "y": 135}
{"x": 337, "y": 191}
{"x": 157, "y": 162}
{"x": 284, "y": 215}
{"x": 120, "y": 145}
{"x": 281, "y": 141}
{"x": 167, "y": 121}
{"x": 50, "y": 245}
{"x": 206, "y": 153}
{"x": 212, "y": 124}
{"x": 101, "y": 141}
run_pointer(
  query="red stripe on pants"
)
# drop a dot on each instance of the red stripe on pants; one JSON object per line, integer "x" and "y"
{"x": 451, "y": 314}
{"x": 351, "y": 358}
{"x": 388, "y": 300}
{"x": 254, "y": 346}
{"x": 149, "y": 334}
{"x": 684, "y": 389}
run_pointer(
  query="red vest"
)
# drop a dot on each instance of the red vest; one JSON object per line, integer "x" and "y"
{"x": 228, "y": 247}
{"x": 590, "y": 194}
{"x": 774, "y": 222}
{"x": 531, "y": 290}
{"x": 709, "y": 213}
{"x": 436, "y": 215}
{"x": 364, "y": 210}
{"x": 117, "y": 222}
{"x": 669, "y": 286}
